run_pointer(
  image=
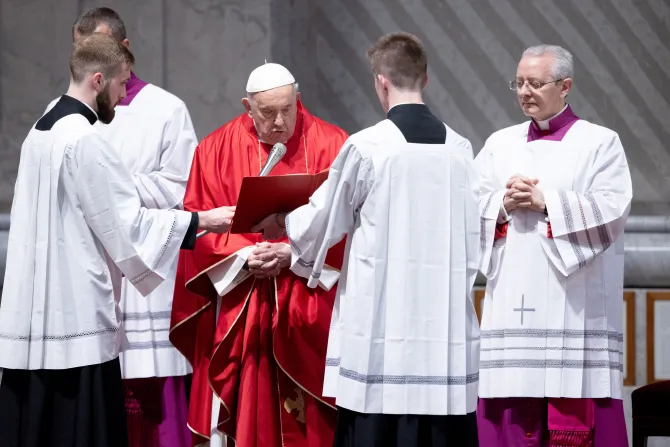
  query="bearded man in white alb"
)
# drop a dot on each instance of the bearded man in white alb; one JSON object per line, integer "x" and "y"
{"x": 554, "y": 198}
{"x": 154, "y": 136}
{"x": 77, "y": 226}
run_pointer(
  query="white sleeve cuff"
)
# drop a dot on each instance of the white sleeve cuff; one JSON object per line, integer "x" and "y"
{"x": 229, "y": 274}
{"x": 328, "y": 278}
{"x": 502, "y": 215}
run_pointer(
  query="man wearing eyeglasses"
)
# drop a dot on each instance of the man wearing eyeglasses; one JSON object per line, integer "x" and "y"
{"x": 554, "y": 197}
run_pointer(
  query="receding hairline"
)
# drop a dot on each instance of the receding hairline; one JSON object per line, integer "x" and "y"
{"x": 89, "y": 21}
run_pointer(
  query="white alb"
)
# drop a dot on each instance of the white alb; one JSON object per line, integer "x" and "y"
{"x": 404, "y": 337}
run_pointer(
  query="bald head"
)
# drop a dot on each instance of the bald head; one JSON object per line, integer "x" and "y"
{"x": 100, "y": 20}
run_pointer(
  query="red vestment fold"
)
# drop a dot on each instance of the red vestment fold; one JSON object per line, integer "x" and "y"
{"x": 265, "y": 355}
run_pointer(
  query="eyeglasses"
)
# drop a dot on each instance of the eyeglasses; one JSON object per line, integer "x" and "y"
{"x": 532, "y": 85}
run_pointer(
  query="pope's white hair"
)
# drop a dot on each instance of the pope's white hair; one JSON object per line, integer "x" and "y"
{"x": 250, "y": 96}
{"x": 562, "y": 67}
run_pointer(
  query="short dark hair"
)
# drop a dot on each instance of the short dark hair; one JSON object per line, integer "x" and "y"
{"x": 98, "y": 53}
{"x": 89, "y": 21}
{"x": 401, "y": 58}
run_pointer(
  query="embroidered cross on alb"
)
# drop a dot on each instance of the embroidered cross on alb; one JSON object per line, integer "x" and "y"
{"x": 522, "y": 309}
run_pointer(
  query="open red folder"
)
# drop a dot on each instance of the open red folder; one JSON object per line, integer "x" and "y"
{"x": 262, "y": 196}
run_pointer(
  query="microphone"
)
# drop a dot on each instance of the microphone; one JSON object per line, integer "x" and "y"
{"x": 277, "y": 153}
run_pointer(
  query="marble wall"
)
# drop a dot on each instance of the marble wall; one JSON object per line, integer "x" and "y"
{"x": 203, "y": 50}
{"x": 200, "y": 50}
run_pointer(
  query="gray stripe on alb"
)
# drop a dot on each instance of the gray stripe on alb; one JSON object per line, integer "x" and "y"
{"x": 551, "y": 333}
{"x": 148, "y": 272}
{"x": 140, "y": 331}
{"x": 570, "y": 225}
{"x": 389, "y": 379}
{"x": 48, "y": 337}
{"x": 149, "y": 345}
{"x": 163, "y": 315}
{"x": 551, "y": 348}
{"x": 482, "y": 228}
{"x": 602, "y": 229}
{"x": 586, "y": 228}
{"x": 542, "y": 364}
{"x": 407, "y": 380}
{"x": 333, "y": 361}
{"x": 300, "y": 261}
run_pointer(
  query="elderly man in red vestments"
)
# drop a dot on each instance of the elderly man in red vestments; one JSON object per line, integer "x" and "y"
{"x": 256, "y": 336}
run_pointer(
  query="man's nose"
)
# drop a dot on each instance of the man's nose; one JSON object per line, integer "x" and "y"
{"x": 524, "y": 89}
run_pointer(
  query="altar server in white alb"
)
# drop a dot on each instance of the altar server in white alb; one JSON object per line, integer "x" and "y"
{"x": 77, "y": 226}
{"x": 154, "y": 136}
{"x": 403, "y": 349}
{"x": 554, "y": 198}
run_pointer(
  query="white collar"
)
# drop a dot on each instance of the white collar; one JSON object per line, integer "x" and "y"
{"x": 96, "y": 113}
{"x": 544, "y": 124}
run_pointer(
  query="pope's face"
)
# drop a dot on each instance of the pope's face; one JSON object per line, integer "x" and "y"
{"x": 540, "y": 96}
{"x": 274, "y": 113}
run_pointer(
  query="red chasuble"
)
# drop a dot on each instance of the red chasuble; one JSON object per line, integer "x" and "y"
{"x": 265, "y": 355}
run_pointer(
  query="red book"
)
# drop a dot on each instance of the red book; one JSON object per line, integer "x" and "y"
{"x": 261, "y": 196}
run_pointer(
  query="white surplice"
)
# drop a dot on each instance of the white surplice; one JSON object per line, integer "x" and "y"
{"x": 77, "y": 225}
{"x": 552, "y": 321}
{"x": 404, "y": 337}
{"x": 155, "y": 138}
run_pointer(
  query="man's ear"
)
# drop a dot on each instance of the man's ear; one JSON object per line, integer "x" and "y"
{"x": 566, "y": 87}
{"x": 247, "y": 105}
{"x": 126, "y": 43}
{"x": 98, "y": 81}
{"x": 384, "y": 82}
{"x": 297, "y": 97}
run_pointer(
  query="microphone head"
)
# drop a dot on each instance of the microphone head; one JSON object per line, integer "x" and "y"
{"x": 276, "y": 154}
{"x": 280, "y": 148}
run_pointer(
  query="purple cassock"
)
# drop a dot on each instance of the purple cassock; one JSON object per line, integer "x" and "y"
{"x": 156, "y": 407}
{"x": 133, "y": 87}
{"x": 156, "y": 412}
{"x": 526, "y": 422}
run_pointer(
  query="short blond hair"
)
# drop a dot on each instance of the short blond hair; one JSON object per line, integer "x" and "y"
{"x": 98, "y": 53}
{"x": 401, "y": 58}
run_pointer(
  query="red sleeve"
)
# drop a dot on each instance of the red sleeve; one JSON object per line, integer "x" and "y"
{"x": 214, "y": 181}
{"x": 501, "y": 231}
